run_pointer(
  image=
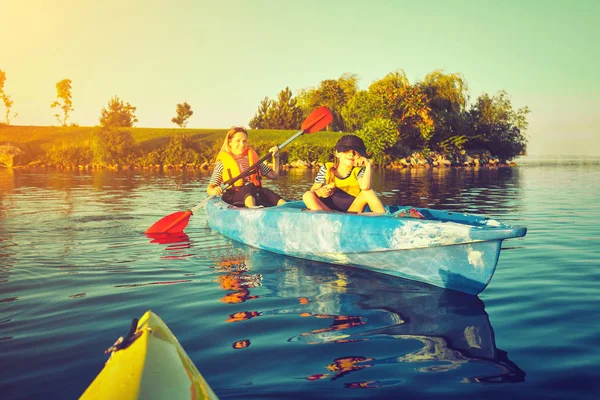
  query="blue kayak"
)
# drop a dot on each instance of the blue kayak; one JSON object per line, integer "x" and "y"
{"x": 446, "y": 249}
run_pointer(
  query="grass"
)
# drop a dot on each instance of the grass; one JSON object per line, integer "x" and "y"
{"x": 35, "y": 140}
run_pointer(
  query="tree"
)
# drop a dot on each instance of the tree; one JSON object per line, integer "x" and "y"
{"x": 283, "y": 113}
{"x": 331, "y": 93}
{"x": 349, "y": 84}
{"x": 447, "y": 92}
{"x": 447, "y": 96}
{"x": 8, "y": 103}
{"x": 360, "y": 109}
{"x": 259, "y": 121}
{"x": 394, "y": 98}
{"x": 63, "y": 93}
{"x": 118, "y": 114}
{"x": 379, "y": 134}
{"x": 184, "y": 111}
{"x": 497, "y": 127}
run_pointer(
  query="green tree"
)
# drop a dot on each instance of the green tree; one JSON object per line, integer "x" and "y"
{"x": 259, "y": 121}
{"x": 393, "y": 97}
{"x": 447, "y": 96}
{"x": 118, "y": 114}
{"x": 349, "y": 84}
{"x": 497, "y": 127}
{"x": 379, "y": 134}
{"x": 416, "y": 124}
{"x": 448, "y": 92}
{"x": 283, "y": 113}
{"x": 361, "y": 108}
{"x": 184, "y": 112}
{"x": 111, "y": 145}
{"x": 8, "y": 102}
{"x": 63, "y": 102}
{"x": 331, "y": 93}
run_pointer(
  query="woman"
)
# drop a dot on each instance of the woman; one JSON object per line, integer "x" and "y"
{"x": 234, "y": 158}
{"x": 346, "y": 184}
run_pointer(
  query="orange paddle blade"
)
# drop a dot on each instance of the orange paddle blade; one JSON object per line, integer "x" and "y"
{"x": 317, "y": 120}
{"x": 172, "y": 223}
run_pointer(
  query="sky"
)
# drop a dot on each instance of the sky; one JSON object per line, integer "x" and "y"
{"x": 224, "y": 57}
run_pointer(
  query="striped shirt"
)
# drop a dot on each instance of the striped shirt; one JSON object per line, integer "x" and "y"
{"x": 320, "y": 178}
{"x": 217, "y": 176}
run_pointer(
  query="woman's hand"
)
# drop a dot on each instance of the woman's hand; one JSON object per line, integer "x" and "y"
{"x": 274, "y": 151}
{"x": 215, "y": 190}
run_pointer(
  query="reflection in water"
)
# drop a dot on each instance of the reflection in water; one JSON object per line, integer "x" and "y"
{"x": 235, "y": 280}
{"x": 483, "y": 189}
{"x": 8, "y": 299}
{"x": 130, "y": 285}
{"x": 345, "y": 365}
{"x": 240, "y": 344}
{"x": 243, "y": 316}
{"x": 177, "y": 244}
{"x": 452, "y": 329}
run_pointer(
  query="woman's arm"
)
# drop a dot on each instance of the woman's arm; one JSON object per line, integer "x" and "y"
{"x": 274, "y": 173}
{"x": 214, "y": 183}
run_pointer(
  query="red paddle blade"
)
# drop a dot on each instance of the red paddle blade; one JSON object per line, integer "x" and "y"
{"x": 317, "y": 120}
{"x": 172, "y": 223}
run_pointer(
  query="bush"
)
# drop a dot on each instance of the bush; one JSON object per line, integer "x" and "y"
{"x": 113, "y": 146}
{"x": 69, "y": 156}
{"x": 309, "y": 153}
{"x": 150, "y": 159}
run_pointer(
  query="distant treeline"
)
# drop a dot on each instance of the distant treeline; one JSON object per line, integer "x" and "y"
{"x": 395, "y": 117}
{"x": 398, "y": 121}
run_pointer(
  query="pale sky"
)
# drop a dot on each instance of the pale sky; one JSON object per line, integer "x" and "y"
{"x": 224, "y": 57}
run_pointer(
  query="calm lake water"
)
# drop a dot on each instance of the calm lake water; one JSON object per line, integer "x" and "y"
{"x": 75, "y": 268}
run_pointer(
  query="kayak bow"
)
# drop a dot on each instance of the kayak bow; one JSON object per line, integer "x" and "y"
{"x": 152, "y": 366}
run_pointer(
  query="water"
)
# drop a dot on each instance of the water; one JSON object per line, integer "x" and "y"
{"x": 75, "y": 268}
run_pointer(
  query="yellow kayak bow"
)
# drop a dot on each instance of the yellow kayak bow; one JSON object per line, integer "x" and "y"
{"x": 149, "y": 364}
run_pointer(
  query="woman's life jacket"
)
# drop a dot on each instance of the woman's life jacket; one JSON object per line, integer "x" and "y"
{"x": 231, "y": 168}
{"x": 349, "y": 184}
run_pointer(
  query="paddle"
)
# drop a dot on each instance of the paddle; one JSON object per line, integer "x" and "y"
{"x": 176, "y": 222}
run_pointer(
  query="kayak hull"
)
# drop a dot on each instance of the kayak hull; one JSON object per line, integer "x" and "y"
{"x": 154, "y": 366}
{"x": 450, "y": 250}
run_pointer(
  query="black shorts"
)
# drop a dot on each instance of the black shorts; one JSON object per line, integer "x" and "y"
{"x": 262, "y": 196}
{"x": 339, "y": 200}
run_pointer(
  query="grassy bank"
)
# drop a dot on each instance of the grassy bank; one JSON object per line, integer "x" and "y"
{"x": 36, "y": 141}
{"x": 70, "y": 147}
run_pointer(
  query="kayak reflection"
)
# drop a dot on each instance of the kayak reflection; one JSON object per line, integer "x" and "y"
{"x": 435, "y": 329}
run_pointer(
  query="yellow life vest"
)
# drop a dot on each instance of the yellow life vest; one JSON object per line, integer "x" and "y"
{"x": 231, "y": 168}
{"x": 349, "y": 184}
